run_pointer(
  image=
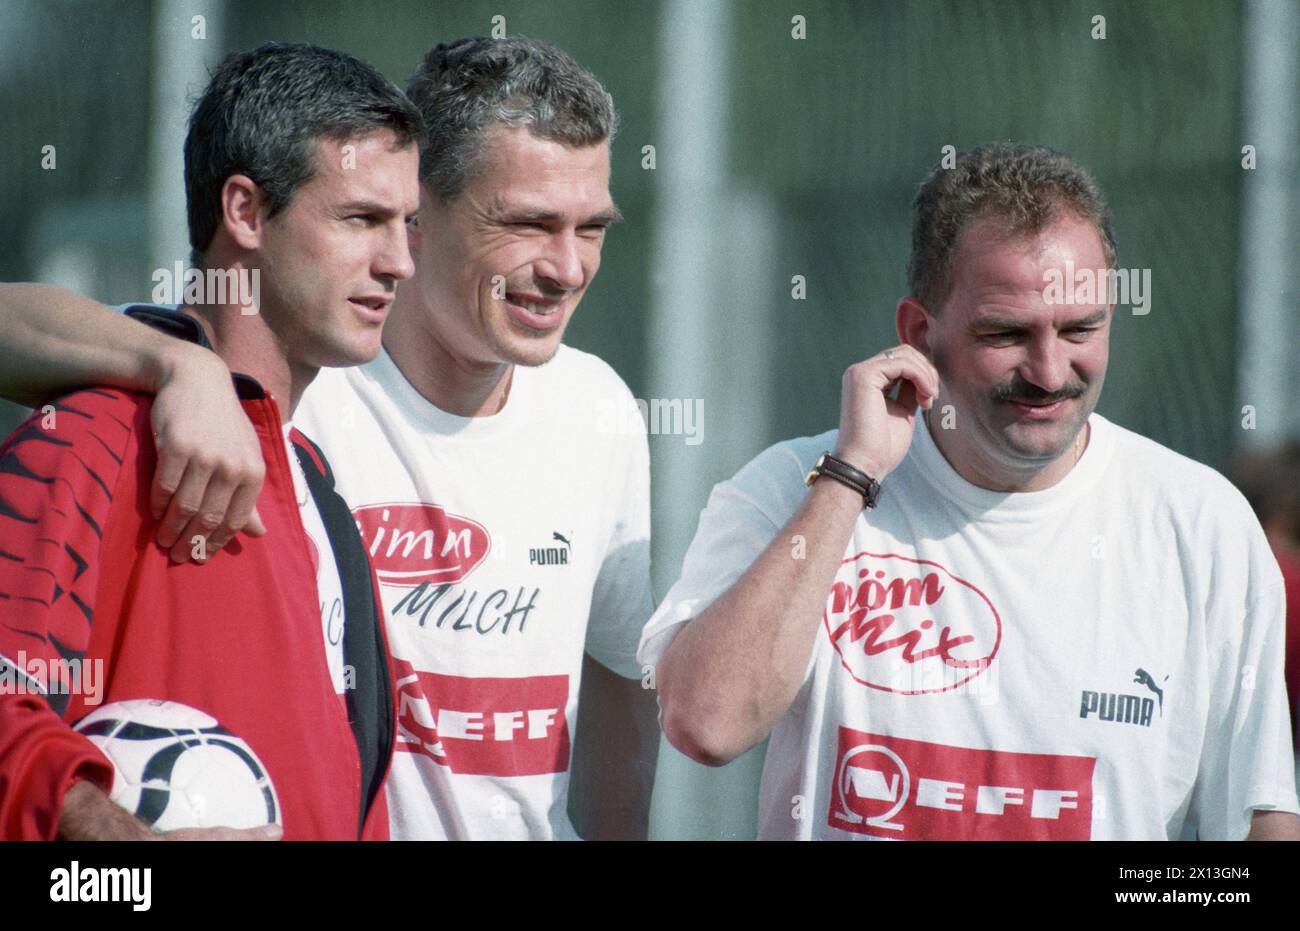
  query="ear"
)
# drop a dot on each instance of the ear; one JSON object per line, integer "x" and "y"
{"x": 431, "y": 215}
{"x": 241, "y": 211}
{"x": 423, "y": 220}
{"x": 914, "y": 325}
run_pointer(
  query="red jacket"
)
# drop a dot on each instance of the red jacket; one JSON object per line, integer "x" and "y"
{"x": 238, "y": 637}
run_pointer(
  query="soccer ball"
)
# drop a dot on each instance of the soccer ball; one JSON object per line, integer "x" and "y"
{"x": 177, "y": 767}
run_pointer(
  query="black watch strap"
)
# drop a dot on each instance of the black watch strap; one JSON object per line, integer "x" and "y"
{"x": 839, "y": 470}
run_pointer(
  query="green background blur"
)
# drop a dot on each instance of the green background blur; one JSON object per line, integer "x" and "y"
{"x": 816, "y": 147}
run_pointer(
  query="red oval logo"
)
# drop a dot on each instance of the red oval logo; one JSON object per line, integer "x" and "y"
{"x": 909, "y": 625}
{"x": 410, "y": 544}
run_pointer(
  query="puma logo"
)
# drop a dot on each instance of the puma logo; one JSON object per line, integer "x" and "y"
{"x": 1142, "y": 677}
{"x": 551, "y": 555}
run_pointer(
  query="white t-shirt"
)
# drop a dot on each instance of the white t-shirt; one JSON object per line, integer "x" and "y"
{"x": 329, "y": 586}
{"x": 506, "y": 546}
{"x": 1098, "y": 660}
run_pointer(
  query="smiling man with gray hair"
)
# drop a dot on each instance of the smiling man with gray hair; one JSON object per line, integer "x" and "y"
{"x": 477, "y": 428}
{"x": 510, "y": 535}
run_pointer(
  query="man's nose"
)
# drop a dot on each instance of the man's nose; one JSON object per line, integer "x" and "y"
{"x": 1047, "y": 366}
{"x": 394, "y": 257}
{"x": 562, "y": 263}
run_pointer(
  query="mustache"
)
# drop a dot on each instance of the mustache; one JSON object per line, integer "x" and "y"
{"x": 1029, "y": 393}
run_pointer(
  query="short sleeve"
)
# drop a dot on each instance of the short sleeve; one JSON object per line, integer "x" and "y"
{"x": 621, "y": 600}
{"x": 1248, "y": 762}
{"x": 741, "y": 518}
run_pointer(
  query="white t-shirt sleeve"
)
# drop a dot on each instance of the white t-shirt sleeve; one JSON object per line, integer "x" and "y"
{"x": 740, "y": 520}
{"x": 1247, "y": 763}
{"x": 622, "y": 600}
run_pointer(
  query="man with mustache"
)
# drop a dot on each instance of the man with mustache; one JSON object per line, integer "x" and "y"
{"x": 464, "y": 450}
{"x": 994, "y": 614}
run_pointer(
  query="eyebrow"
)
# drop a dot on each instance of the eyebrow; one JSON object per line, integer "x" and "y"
{"x": 990, "y": 322}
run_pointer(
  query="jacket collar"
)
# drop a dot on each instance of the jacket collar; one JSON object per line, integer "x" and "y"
{"x": 183, "y": 326}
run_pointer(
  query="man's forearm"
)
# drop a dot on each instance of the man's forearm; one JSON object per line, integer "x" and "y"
{"x": 733, "y": 671}
{"x": 53, "y": 341}
{"x": 89, "y": 814}
{"x": 614, "y": 756}
{"x": 1274, "y": 825}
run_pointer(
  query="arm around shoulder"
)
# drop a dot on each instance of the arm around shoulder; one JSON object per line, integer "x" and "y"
{"x": 53, "y": 341}
{"x": 210, "y": 466}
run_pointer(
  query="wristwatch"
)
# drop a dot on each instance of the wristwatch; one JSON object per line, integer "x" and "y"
{"x": 845, "y": 474}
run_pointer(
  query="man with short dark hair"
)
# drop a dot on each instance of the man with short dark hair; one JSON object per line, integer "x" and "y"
{"x": 301, "y": 176}
{"x": 510, "y": 532}
{"x": 1012, "y": 620}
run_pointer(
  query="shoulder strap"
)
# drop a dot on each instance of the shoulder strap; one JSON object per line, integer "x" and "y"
{"x": 316, "y": 461}
{"x": 370, "y": 701}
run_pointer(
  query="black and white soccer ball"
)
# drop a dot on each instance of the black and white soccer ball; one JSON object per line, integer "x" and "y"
{"x": 177, "y": 767}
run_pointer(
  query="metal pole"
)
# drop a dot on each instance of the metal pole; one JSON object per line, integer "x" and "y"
{"x": 186, "y": 43}
{"x": 1267, "y": 369}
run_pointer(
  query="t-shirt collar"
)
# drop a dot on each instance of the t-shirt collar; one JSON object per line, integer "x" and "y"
{"x": 936, "y": 470}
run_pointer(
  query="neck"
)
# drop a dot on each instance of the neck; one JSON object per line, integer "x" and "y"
{"x": 444, "y": 378}
{"x": 248, "y": 345}
{"x": 983, "y": 472}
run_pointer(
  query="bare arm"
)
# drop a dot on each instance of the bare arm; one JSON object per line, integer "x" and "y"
{"x": 614, "y": 756}
{"x": 53, "y": 341}
{"x": 735, "y": 668}
{"x": 209, "y": 461}
{"x": 89, "y": 814}
{"x": 1274, "y": 825}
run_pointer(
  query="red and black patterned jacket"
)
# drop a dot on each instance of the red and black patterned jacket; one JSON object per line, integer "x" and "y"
{"x": 239, "y": 637}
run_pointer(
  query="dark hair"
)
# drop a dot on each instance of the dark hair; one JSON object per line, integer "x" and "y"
{"x": 1027, "y": 185}
{"x": 262, "y": 115}
{"x": 1267, "y": 479}
{"x": 466, "y": 86}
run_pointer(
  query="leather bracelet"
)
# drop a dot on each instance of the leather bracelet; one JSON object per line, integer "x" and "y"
{"x": 844, "y": 468}
{"x": 839, "y": 470}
